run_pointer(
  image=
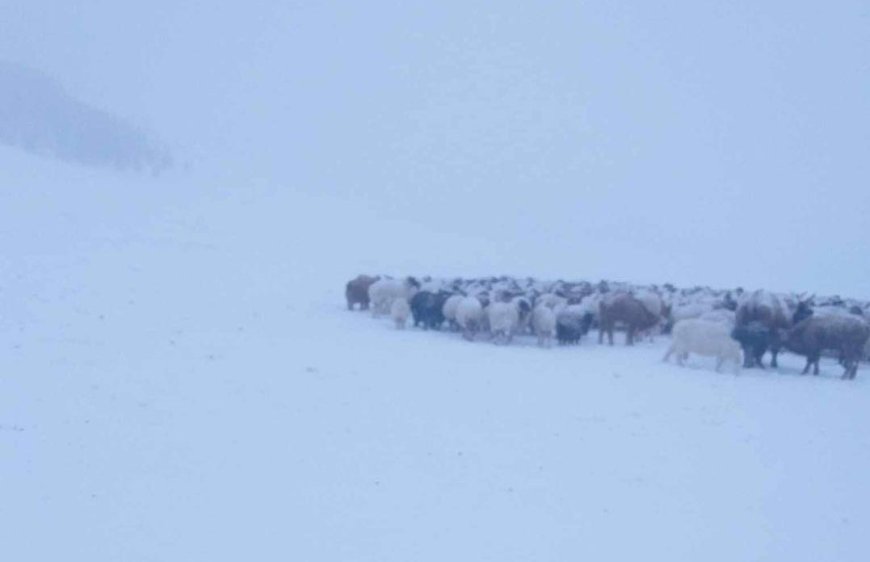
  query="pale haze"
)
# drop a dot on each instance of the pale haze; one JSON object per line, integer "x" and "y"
{"x": 186, "y": 188}
{"x": 698, "y": 143}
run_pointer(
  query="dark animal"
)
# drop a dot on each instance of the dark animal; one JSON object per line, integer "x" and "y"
{"x": 843, "y": 335}
{"x": 570, "y": 327}
{"x": 770, "y": 312}
{"x": 427, "y": 308}
{"x": 755, "y": 338}
{"x": 357, "y": 291}
{"x": 728, "y": 302}
{"x": 803, "y": 310}
{"x": 627, "y": 310}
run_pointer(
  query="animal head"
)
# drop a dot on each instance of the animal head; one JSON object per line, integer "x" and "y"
{"x": 803, "y": 310}
{"x": 523, "y": 306}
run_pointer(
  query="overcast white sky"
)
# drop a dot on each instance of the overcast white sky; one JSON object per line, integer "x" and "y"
{"x": 694, "y": 141}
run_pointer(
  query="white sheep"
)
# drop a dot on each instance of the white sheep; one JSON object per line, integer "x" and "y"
{"x": 712, "y": 339}
{"x": 504, "y": 319}
{"x": 449, "y": 309}
{"x": 722, "y": 315}
{"x": 591, "y": 305}
{"x": 383, "y": 292}
{"x": 689, "y": 311}
{"x": 508, "y": 318}
{"x": 400, "y": 310}
{"x": 654, "y": 303}
{"x": 544, "y": 324}
{"x": 470, "y": 317}
{"x": 551, "y": 300}
{"x": 651, "y": 301}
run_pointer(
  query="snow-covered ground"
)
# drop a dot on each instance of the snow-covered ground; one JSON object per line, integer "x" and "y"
{"x": 180, "y": 381}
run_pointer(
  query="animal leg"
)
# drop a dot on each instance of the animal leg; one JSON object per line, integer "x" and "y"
{"x": 748, "y": 358}
{"x": 807, "y": 367}
{"x": 847, "y": 374}
{"x": 759, "y": 360}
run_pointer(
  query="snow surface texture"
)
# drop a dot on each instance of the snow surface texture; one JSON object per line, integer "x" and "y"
{"x": 180, "y": 383}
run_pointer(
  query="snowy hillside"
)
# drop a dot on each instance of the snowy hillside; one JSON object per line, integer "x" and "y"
{"x": 181, "y": 381}
{"x": 39, "y": 116}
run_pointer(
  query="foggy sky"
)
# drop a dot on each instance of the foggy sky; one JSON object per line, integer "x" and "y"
{"x": 693, "y": 142}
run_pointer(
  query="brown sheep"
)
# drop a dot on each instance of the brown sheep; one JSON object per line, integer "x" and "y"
{"x": 357, "y": 291}
{"x": 847, "y": 336}
{"x": 627, "y": 310}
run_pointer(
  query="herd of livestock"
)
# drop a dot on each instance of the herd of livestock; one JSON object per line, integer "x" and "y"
{"x": 734, "y": 326}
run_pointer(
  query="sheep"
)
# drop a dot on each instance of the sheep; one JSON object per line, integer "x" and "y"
{"x": 628, "y": 310}
{"x": 706, "y": 338}
{"x": 399, "y": 312}
{"x": 653, "y": 303}
{"x": 835, "y": 311}
{"x": 524, "y": 306}
{"x": 591, "y": 304}
{"x": 449, "y": 309}
{"x": 470, "y": 316}
{"x": 551, "y": 300}
{"x": 727, "y": 303}
{"x": 657, "y": 307}
{"x": 544, "y": 324}
{"x": 505, "y": 318}
{"x": 771, "y": 312}
{"x": 427, "y": 308}
{"x": 383, "y": 292}
{"x": 847, "y": 336}
{"x": 572, "y": 323}
{"x": 722, "y": 315}
{"x": 433, "y": 285}
{"x": 755, "y": 338}
{"x": 686, "y": 311}
{"x": 357, "y": 291}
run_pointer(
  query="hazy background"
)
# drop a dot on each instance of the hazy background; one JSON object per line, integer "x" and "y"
{"x": 693, "y": 142}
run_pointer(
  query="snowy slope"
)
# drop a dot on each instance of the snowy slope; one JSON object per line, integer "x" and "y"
{"x": 181, "y": 382}
{"x": 39, "y": 116}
